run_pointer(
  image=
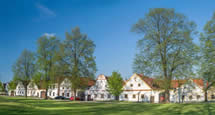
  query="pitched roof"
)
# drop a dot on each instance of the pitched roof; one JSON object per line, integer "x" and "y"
{"x": 149, "y": 81}
{"x": 199, "y": 82}
{"x": 177, "y": 83}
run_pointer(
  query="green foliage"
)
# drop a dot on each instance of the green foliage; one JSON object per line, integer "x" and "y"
{"x": 115, "y": 84}
{"x": 208, "y": 53}
{"x": 47, "y": 54}
{"x": 78, "y": 56}
{"x": 1, "y": 86}
{"x": 12, "y": 85}
{"x": 25, "y": 68}
{"x": 167, "y": 49}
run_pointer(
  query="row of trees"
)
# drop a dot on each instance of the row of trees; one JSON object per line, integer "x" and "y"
{"x": 167, "y": 49}
{"x": 54, "y": 59}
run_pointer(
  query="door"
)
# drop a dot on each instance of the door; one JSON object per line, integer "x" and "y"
{"x": 152, "y": 98}
{"x": 88, "y": 97}
{"x": 43, "y": 94}
{"x": 12, "y": 93}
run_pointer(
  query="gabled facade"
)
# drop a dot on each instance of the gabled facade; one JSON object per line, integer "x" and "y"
{"x": 64, "y": 89}
{"x": 139, "y": 88}
{"x": 144, "y": 89}
{"x": 20, "y": 90}
{"x": 99, "y": 90}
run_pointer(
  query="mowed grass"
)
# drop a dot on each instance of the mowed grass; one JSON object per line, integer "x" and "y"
{"x": 20, "y": 106}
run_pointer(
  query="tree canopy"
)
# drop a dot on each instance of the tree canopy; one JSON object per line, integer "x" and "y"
{"x": 166, "y": 50}
{"x": 47, "y": 57}
{"x": 115, "y": 84}
{"x": 207, "y": 40}
{"x": 25, "y": 68}
{"x": 78, "y": 56}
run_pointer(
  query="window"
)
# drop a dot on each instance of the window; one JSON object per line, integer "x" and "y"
{"x": 212, "y": 96}
{"x": 62, "y": 94}
{"x": 142, "y": 96}
{"x": 126, "y": 96}
{"x": 198, "y": 97}
{"x": 131, "y": 85}
{"x": 109, "y": 95}
{"x": 134, "y": 96}
{"x": 139, "y": 85}
{"x": 95, "y": 96}
{"x": 50, "y": 93}
{"x": 102, "y": 95}
{"x": 53, "y": 93}
{"x": 67, "y": 94}
{"x": 190, "y": 97}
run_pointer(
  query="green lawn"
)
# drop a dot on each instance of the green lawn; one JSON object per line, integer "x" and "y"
{"x": 20, "y": 105}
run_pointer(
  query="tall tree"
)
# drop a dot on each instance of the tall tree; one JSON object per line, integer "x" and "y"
{"x": 24, "y": 68}
{"x": 1, "y": 86}
{"x": 78, "y": 56}
{"x": 115, "y": 84}
{"x": 12, "y": 85}
{"x": 167, "y": 49}
{"x": 47, "y": 59}
{"x": 207, "y": 55}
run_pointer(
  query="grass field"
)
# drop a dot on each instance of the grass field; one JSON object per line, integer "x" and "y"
{"x": 20, "y": 106}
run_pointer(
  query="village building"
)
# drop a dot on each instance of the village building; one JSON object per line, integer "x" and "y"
{"x": 99, "y": 91}
{"x": 137, "y": 88}
{"x": 140, "y": 88}
{"x": 65, "y": 90}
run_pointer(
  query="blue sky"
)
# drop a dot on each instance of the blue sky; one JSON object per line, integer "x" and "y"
{"x": 106, "y": 22}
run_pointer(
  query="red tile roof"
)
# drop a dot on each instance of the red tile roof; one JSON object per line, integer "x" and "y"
{"x": 149, "y": 81}
{"x": 177, "y": 83}
{"x": 157, "y": 84}
{"x": 199, "y": 82}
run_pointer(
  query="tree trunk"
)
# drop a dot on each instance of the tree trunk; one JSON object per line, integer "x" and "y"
{"x": 74, "y": 94}
{"x": 26, "y": 88}
{"x": 206, "y": 95}
{"x": 46, "y": 97}
{"x": 58, "y": 89}
{"x": 166, "y": 95}
{"x": 117, "y": 98}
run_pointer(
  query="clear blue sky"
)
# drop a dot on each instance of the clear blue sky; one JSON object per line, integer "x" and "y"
{"x": 107, "y": 23}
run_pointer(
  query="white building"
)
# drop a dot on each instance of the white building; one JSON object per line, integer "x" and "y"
{"x": 140, "y": 88}
{"x": 98, "y": 92}
{"x": 144, "y": 89}
{"x": 20, "y": 90}
{"x": 53, "y": 90}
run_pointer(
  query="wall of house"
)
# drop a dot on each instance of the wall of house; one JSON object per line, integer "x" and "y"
{"x": 32, "y": 89}
{"x": 99, "y": 90}
{"x": 20, "y": 90}
{"x": 135, "y": 89}
{"x": 192, "y": 92}
{"x": 140, "y": 96}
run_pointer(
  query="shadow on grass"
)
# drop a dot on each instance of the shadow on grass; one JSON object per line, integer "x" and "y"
{"x": 34, "y": 106}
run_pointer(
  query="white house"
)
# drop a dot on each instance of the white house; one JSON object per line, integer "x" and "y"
{"x": 99, "y": 91}
{"x": 140, "y": 88}
{"x": 189, "y": 90}
{"x": 144, "y": 89}
{"x": 20, "y": 90}
{"x": 64, "y": 89}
